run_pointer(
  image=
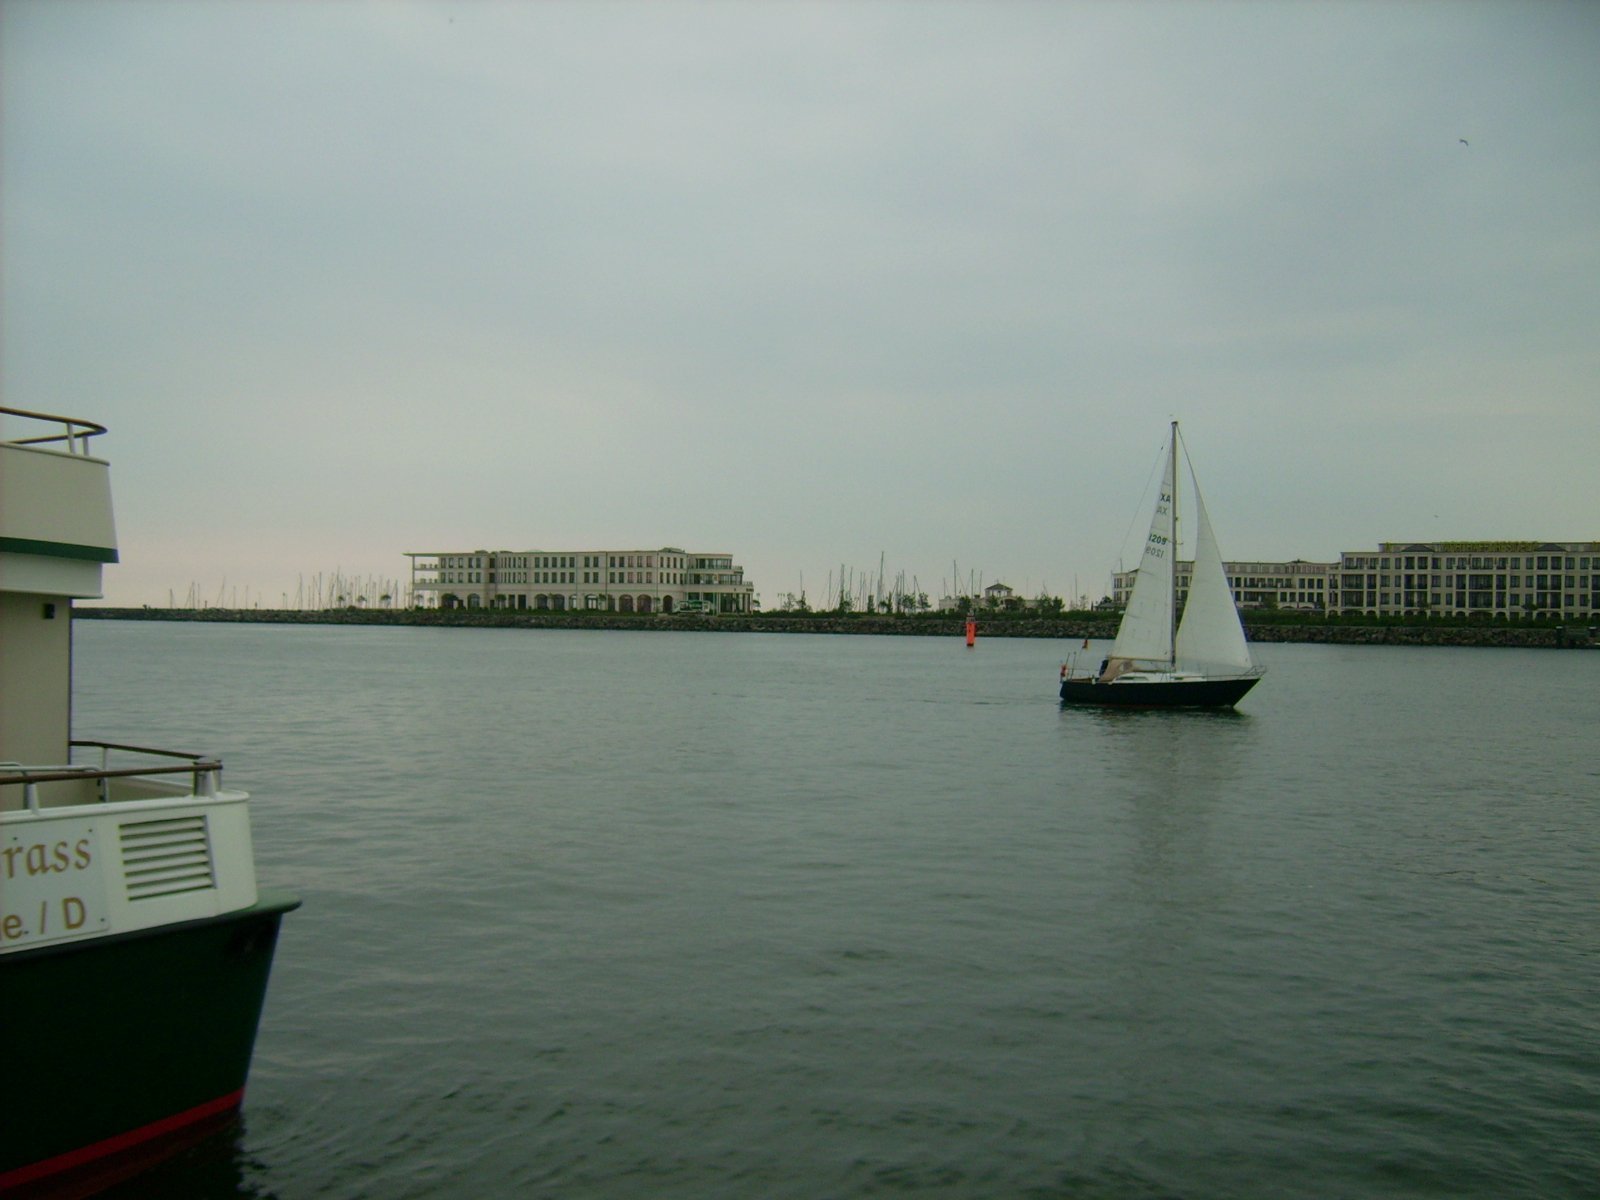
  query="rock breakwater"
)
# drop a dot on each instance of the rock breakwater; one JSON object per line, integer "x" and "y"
{"x": 1072, "y": 627}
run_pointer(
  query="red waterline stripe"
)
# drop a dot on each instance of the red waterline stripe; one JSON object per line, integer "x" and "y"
{"x": 122, "y": 1141}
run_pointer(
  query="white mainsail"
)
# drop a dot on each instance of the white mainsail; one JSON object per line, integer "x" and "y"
{"x": 1210, "y": 637}
{"x": 1145, "y": 634}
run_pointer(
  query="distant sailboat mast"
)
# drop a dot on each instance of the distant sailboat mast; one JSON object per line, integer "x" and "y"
{"x": 1172, "y": 609}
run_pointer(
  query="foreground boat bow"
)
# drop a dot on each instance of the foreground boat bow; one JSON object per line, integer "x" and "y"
{"x": 134, "y": 944}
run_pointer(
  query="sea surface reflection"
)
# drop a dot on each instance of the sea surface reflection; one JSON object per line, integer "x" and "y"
{"x": 708, "y": 915}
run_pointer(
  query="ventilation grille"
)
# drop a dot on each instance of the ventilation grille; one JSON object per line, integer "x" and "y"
{"x": 165, "y": 858}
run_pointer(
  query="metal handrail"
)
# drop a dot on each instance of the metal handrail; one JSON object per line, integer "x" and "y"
{"x": 137, "y": 749}
{"x": 77, "y": 430}
{"x": 23, "y": 775}
{"x": 207, "y": 772}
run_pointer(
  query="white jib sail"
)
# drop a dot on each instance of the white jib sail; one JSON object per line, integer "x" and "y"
{"x": 1145, "y": 634}
{"x": 1210, "y": 637}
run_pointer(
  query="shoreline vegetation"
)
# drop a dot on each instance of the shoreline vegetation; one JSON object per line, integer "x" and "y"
{"x": 1260, "y": 625}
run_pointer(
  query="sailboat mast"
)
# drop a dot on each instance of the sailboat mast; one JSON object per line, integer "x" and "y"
{"x": 1172, "y": 608}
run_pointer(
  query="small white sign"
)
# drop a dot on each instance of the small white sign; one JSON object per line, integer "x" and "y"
{"x": 52, "y": 883}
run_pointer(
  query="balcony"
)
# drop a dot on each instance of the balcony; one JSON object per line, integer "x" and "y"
{"x": 56, "y": 525}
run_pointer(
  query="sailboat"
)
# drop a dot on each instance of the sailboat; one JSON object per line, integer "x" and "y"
{"x": 1157, "y": 660}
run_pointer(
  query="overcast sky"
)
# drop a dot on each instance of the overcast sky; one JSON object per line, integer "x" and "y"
{"x": 808, "y": 283}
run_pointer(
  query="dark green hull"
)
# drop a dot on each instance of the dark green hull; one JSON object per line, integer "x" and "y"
{"x": 115, "y": 1045}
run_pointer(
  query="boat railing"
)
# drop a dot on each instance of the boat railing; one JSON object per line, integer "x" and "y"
{"x": 74, "y": 431}
{"x": 204, "y": 770}
{"x": 1069, "y": 668}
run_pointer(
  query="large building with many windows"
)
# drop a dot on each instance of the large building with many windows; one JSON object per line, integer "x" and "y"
{"x": 646, "y": 581}
{"x": 1296, "y": 585}
{"x": 1505, "y": 580}
{"x": 1495, "y": 579}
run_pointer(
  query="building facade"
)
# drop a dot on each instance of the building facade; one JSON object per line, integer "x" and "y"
{"x": 664, "y": 580}
{"x": 1298, "y": 586}
{"x": 1494, "y": 580}
{"x": 1504, "y": 580}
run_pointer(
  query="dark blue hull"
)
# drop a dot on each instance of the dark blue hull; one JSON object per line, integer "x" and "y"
{"x": 1184, "y": 693}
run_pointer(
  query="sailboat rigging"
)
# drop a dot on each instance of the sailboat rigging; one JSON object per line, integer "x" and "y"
{"x": 1158, "y": 660}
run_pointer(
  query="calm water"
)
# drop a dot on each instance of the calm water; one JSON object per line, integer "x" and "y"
{"x": 706, "y": 915}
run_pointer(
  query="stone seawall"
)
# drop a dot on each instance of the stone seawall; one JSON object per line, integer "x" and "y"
{"x": 927, "y": 626}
